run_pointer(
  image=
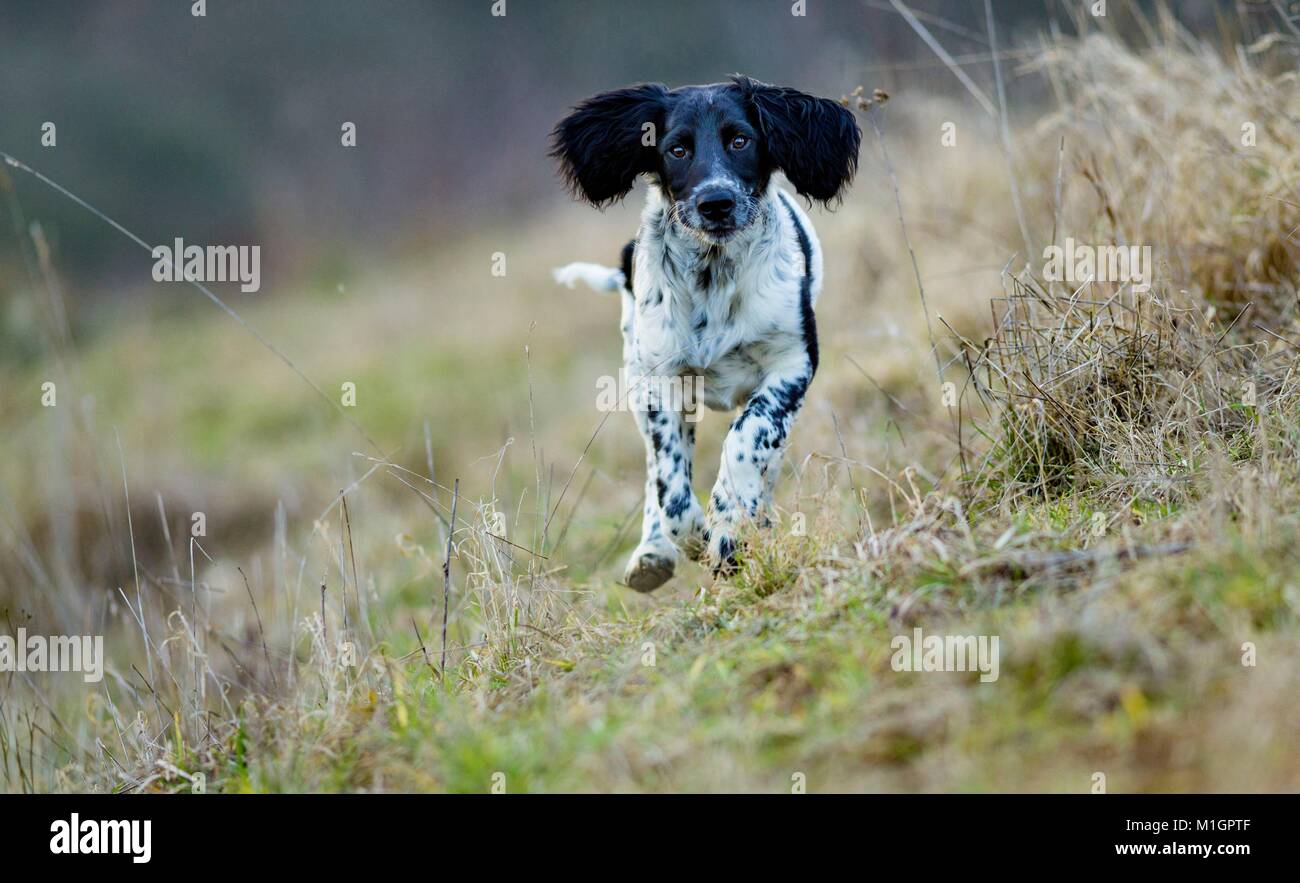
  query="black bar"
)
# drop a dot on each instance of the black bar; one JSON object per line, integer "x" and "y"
{"x": 333, "y": 832}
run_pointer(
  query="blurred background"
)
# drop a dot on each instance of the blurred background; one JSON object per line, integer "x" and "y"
{"x": 225, "y": 128}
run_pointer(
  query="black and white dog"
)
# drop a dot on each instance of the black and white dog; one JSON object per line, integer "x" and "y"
{"x": 718, "y": 286}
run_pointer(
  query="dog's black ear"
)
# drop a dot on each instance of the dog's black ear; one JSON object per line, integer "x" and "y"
{"x": 608, "y": 140}
{"x": 813, "y": 140}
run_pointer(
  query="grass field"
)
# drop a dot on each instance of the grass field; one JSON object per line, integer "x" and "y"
{"x": 1113, "y": 493}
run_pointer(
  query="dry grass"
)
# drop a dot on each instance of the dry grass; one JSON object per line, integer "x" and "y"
{"x": 1190, "y": 152}
{"x": 1134, "y": 393}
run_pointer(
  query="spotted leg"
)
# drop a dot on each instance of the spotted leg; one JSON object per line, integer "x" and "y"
{"x": 673, "y": 519}
{"x": 655, "y": 557}
{"x": 751, "y": 453}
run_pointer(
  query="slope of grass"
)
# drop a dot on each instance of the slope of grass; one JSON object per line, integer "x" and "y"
{"x": 1131, "y": 671}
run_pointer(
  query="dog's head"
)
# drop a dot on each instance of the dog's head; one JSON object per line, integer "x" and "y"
{"x": 711, "y": 150}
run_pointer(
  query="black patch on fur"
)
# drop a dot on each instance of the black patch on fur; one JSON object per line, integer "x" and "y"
{"x": 625, "y": 264}
{"x": 599, "y": 145}
{"x": 677, "y": 505}
{"x": 777, "y": 406}
{"x": 805, "y": 290}
{"x": 727, "y": 563}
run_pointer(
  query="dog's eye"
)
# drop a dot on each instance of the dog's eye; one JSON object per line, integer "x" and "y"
{"x": 677, "y": 151}
{"x": 740, "y": 142}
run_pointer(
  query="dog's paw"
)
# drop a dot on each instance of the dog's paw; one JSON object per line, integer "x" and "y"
{"x": 721, "y": 557}
{"x": 648, "y": 570}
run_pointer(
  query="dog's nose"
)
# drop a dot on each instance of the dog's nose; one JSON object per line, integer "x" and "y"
{"x": 715, "y": 205}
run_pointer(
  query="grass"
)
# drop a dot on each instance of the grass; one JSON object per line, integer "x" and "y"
{"x": 1114, "y": 509}
{"x": 745, "y": 691}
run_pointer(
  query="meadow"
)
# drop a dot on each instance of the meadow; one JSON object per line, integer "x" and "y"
{"x": 419, "y": 592}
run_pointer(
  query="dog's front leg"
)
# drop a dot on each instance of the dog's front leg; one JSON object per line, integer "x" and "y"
{"x": 751, "y": 454}
{"x": 672, "y": 518}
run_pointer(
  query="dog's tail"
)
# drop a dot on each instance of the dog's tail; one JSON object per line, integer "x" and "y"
{"x": 598, "y": 278}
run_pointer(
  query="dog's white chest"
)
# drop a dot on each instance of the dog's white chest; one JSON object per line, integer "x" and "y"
{"x": 720, "y": 314}
{"x": 716, "y": 311}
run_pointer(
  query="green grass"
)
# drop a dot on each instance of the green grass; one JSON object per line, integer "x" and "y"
{"x": 749, "y": 687}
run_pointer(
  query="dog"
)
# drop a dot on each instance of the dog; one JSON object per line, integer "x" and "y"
{"x": 718, "y": 286}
